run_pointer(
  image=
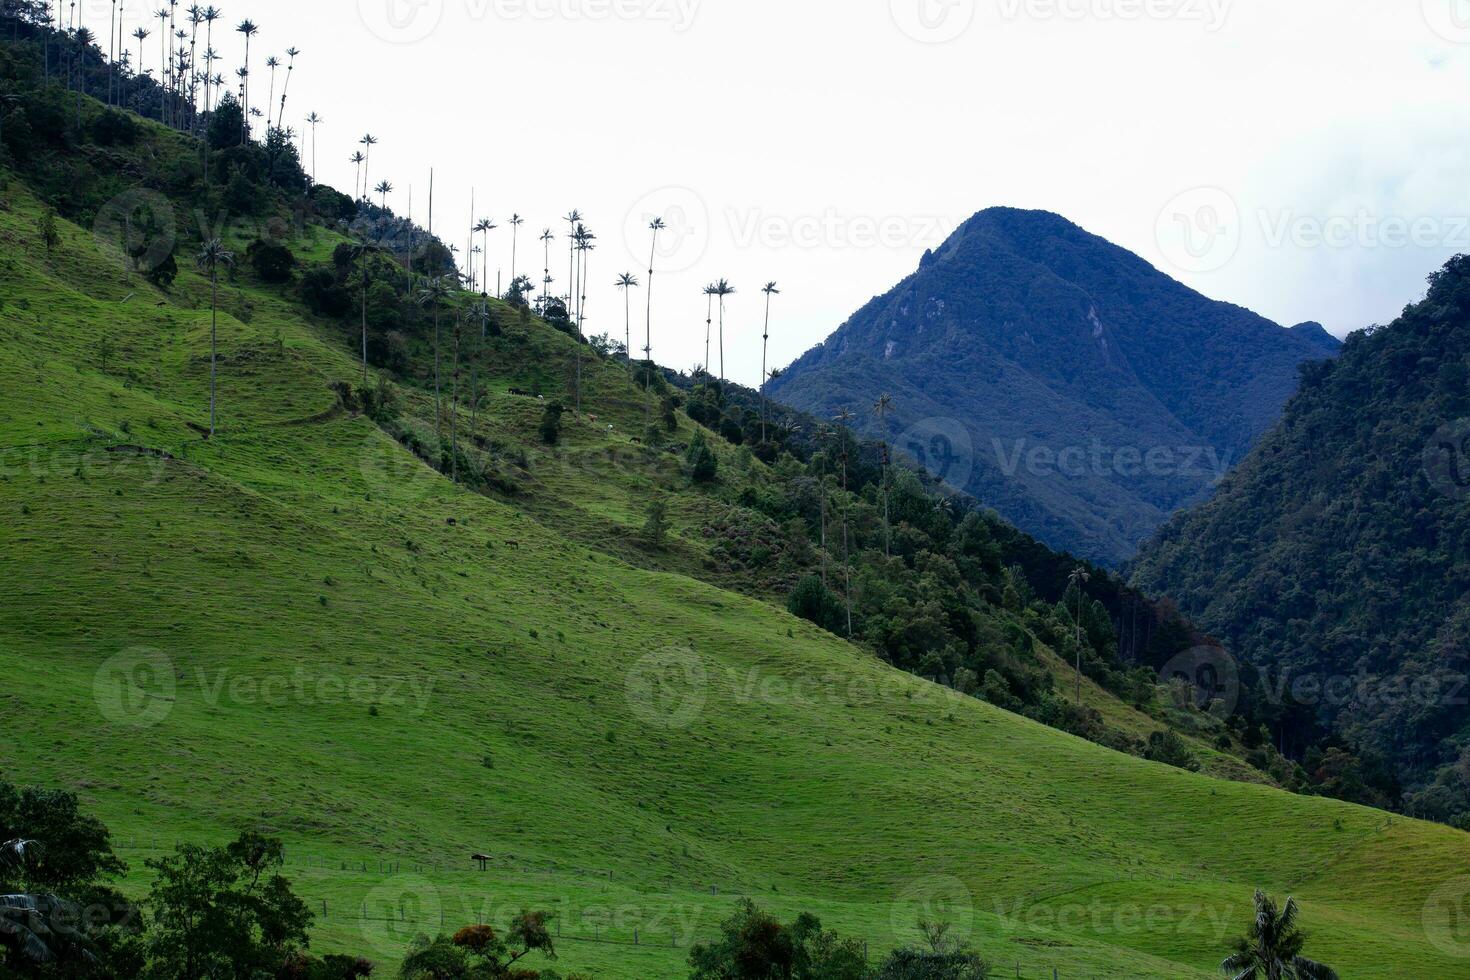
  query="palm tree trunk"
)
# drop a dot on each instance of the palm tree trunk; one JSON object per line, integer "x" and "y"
{"x": 213, "y": 340}
{"x": 765, "y": 347}
{"x": 438, "y": 401}
{"x": 454, "y": 414}
{"x": 364, "y": 332}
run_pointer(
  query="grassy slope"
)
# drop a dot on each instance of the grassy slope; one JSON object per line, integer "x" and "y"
{"x": 305, "y": 541}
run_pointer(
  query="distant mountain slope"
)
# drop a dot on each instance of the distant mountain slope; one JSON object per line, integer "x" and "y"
{"x": 1086, "y": 395}
{"x": 1341, "y": 547}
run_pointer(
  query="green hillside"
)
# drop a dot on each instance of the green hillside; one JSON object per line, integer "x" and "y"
{"x": 297, "y": 626}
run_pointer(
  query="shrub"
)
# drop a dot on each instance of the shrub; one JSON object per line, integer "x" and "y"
{"x": 813, "y": 601}
{"x": 114, "y": 128}
{"x": 271, "y": 261}
{"x": 323, "y": 294}
{"x": 1167, "y": 747}
{"x": 703, "y": 466}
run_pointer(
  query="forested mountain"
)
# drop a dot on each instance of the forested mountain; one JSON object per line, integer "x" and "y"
{"x": 1059, "y": 378}
{"x": 1337, "y": 557}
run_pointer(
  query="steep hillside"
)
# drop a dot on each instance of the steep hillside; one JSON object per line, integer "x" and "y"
{"x": 1340, "y": 551}
{"x": 298, "y": 626}
{"x": 1078, "y": 391}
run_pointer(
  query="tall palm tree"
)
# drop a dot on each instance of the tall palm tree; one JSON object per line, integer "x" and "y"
{"x": 770, "y": 290}
{"x": 196, "y": 17}
{"x": 723, "y": 289}
{"x": 211, "y": 14}
{"x": 479, "y": 310}
{"x": 655, "y": 226}
{"x": 546, "y": 239}
{"x": 142, "y": 34}
{"x": 483, "y": 228}
{"x": 361, "y": 255}
{"x": 210, "y": 258}
{"x": 515, "y": 223}
{"x": 626, "y": 282}
{"x": 383, "y": 190}
{"x": 291, "y": 54}
{"x": 165, "y": 64}
{"x": 843, "y": 419}
{"x": 314, "y": 120}
{"x": 573, "y": 218}
{"x": 368, "y": 141}
{"x": 1271, "y": 949}
{"x": 709, "y": 322}
{"x": 272, "y": 63}
{"x": 881, "y": 409}
{"x": 434, "y": 293}
{"x": 586, "y": 242}
{"x": 1080, "y": 576}
{"x": 357, "y": 159}
{"x": 111, "y": 51}
{"x": 249, "y": 29}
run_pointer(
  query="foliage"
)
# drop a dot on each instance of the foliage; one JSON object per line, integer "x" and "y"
{"x": 1271, "y": 949}
{"x": 551, "y": 423}
{"x": 753, "y": 945}
{"x": 701, "y": 461}
{"x": 1167, "y": 747}
{"x": 223, "y": 911}
{"x": 271, "y": 260}
{"x": 480, "y": 952}
{"x": 1332, "y": 563}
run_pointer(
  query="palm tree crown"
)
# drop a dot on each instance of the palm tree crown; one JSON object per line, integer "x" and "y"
{"x": 1271, "y": 949}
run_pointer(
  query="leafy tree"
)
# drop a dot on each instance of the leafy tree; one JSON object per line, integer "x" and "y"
{"x": 271, "y": 260}
{"x": 551, "y": 423}
{"x": 755, "y": 946}
{"x": 226, "y": 123}
{"x": 480, "y": 952}
{"x": 656, "y": 528}
{"x": 50, "y": 237}
{"x": 1271, "y": 948}
{"x": 814, "y": 602}
{"x": 701, "y": 460}
{"x": 1167, "y": 747}
{"x": 224, "y": 911}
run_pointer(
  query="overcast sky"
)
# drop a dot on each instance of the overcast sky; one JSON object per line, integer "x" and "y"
{"x": 1304, "y": 158}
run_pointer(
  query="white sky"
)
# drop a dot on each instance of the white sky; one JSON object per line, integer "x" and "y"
{"x": 826, "y": 143}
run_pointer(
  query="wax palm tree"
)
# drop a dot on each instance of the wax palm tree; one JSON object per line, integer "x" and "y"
{"x": 1080, "y": 576}
{"x": 196, "y": 17}
{"x": 141, "y": 34}
{"x": 313, "y": 120}
{"x": 709, "y": 322}
{"x": 291, "y": 54}
{"x": 770, "y": 290}
{"x": 383, "y": 190}
{"x": 361, "y": 255}
{"x": 1271, "y": 950}
{"x": 434, "y": 293}
{"x": 626, "y": 282}
{"x": 356, "y": 159}
{"x": 211, "y": 14}
{"x": 723, "y": 289}
{"x": 515, "y": 223}
{"x": 881, "y": 409}
{"x": 655, "y": 226}
{"x": 165, "y": 64}
{"x": 210, "y": 258}
{"x": 573, "y": 218}
{"x": 483, "y": 228}
{"x": 249, "y": 29}
{"x": 586, "y": 242}
{"x": 270, "y": 98}
{"x": 368, "y": 141}
{"x": 546, "y": 239}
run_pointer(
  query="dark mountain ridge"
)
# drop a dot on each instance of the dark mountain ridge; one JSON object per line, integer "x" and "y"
{"x": 1082, "y": 393}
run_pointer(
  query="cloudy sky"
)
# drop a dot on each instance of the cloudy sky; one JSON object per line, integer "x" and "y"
{"x": 1306, "y": 159}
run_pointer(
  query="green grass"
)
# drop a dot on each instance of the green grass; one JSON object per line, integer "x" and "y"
{"x": 297, "y": 626}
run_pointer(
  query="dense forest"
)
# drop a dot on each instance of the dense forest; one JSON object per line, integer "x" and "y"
{"x": 1337, "y": 560}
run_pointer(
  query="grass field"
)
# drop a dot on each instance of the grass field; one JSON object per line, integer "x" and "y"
{"x": 299, "y": 627}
